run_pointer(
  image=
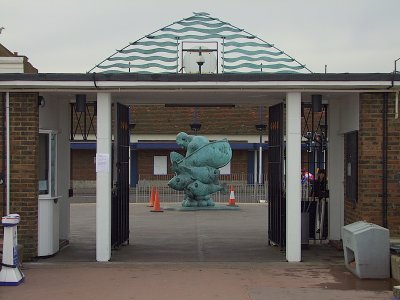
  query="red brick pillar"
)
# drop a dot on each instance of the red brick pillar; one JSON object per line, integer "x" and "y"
{"x": 370, "y": 141}
{"x": 2, "y": 162}
{"x": 24, "y": 143}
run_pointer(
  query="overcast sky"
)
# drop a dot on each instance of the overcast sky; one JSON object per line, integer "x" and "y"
{"x": 74, "y": 35}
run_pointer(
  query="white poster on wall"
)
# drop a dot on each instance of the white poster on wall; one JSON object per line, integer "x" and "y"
{"x": 226, "y": 170}
{"x": 160, "y": 165}
{"x": 102, "y": 163}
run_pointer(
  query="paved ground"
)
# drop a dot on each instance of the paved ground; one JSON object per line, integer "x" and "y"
{"x": 191, "y": 255}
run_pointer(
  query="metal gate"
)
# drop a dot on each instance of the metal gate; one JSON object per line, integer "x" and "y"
{"x": 314, "y": 135}
{"x": 276, "y": 199}
{"x": 120, "y": 196}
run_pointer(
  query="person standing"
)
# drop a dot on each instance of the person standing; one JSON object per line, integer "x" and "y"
{"x": 320, "y": 192}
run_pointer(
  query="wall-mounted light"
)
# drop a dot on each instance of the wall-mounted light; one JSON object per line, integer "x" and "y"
{"x": 316, "y": 103}
{"x": 261, "y": 127}
{"x": 195, "y": 127}
{"x": 41, "y": 101}
{"x": 80, "y": 103}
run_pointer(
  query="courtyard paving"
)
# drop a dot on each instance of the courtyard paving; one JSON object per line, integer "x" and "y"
{"x": 191, "y": 255}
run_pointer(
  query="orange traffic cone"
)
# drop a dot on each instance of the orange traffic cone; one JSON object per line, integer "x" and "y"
{"x": 152, "y": 196}
{"x": 156, "y": 207}
{"x": 232, "y": 201}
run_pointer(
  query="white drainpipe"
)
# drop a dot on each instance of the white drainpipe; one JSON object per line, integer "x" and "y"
{"x": 260, "y": 168}
{"x": 8, "y": 151}
{"x": 255, "y": 167}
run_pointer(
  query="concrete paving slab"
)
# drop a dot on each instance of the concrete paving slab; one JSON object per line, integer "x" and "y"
{"x": 186, "y": 236}
{"x": 237, "y": 281}
{"x": 178, "y": 236}
{"x": 191, "y": 255}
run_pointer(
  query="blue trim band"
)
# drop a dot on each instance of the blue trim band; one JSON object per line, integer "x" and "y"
{"x": 83, "y": 145}
{"x": 4, "y": 283}
{"x": 9, "y": 225}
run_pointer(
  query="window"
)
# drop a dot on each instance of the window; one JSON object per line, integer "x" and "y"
{"x": 160, "y": 165}
{"x": 47, "y": 163}
{"x": 226, "y": 170}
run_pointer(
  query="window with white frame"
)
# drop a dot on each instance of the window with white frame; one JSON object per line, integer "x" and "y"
{"x": 47, "y": 163}
{"x": 226, "y": 170}
{"x": 160, "y": 165}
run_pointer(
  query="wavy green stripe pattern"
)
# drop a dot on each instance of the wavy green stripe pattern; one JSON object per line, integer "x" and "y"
{"x": 148, "y": 51}
{"x": 202, "y": 30}
{"x": 200, "y": 37}
{"x": 202, "y": 23}
{"x": 255, "y": 66}
{"x": 256, "y": 52}
{"x": 248, "y": 44}
{"x": 158, "y": 52}
{"x": 259, "y": 72}
{"x": 140, "y": 72}
{"x": 198, "y": 18}
{"x": 143, "y": 66}
{"x": 286, "y": 72}
{"x": 147, "y": 58}
{"x": 155, "y": 43}
{"x": 262, "y": 58}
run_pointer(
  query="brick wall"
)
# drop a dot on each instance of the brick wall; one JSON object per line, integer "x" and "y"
{"x": 369, "y": 206}
{"x": 157, "y": 119}
{"x": 24, "y": 132}
{"x": 2, "y": 161}
{"x": 239, "y": 162}
{"x": 82, "y": 164}
{"x": 146, "y": 161}
{"x": 83, "y": 167}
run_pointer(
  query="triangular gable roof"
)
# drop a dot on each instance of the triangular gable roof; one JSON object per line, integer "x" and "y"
{"x": 238, "y": 51}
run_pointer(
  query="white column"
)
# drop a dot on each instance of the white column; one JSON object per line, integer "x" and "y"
{"x": 103, "y": 178}
{"x": 293, "y": 174}
{"x": 255, "y": 167}
{"x": 260, "y": 166}
{"x": 335, "y": 170}
{"x": 63, "y": 167}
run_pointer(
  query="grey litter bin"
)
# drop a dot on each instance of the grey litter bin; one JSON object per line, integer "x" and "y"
{"x": 366, "y": 250}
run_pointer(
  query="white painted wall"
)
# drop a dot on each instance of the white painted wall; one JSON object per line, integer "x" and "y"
{"x": 55, "y": 116}
{"x": 11, "y": 65}
{"x": 349, "y": 110}
{"x": 343, "y": 116}
{"x": 335, "y": 172}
